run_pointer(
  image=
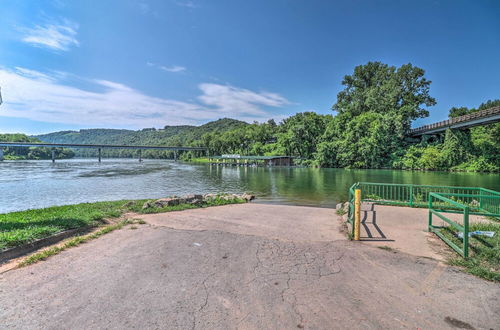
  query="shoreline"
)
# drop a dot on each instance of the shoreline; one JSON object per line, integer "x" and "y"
{"x": 23, "y": 228}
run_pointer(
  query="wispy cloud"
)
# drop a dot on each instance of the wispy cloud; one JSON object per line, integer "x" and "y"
{"x": 187, "y": 3}
{"x": 228, "y": 98}
{"x": 173, "y": 68}
{"x": 58, "y": 36}
{"x": 45, "y": 97}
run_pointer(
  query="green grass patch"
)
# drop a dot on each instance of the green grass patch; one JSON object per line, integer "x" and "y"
{"x": 340, "y": 211}
{"x": 484, "y": 252}
{"x": 71, "y": 243}
{"x": 203, "y": 160}
{"x": 19, "y": 228}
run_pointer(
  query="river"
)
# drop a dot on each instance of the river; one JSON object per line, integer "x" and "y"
{"x": 37, "y": 184}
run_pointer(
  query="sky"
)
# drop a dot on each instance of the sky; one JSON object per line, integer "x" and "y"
{"x": 73, "y": 64}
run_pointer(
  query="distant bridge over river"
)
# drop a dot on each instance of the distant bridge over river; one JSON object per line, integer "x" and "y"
{"x": 483, "y": 117}
{"x": 99, "y": 147}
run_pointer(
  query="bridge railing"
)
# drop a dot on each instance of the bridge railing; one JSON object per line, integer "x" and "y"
{"x": 470, "y": 116}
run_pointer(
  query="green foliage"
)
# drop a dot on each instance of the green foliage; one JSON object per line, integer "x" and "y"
{"x": 18, "y": 228}
{"x": 377, "y": 87}
{"x": 374, "y": 112}
{"x": 17, "y": 153}
{"x": 168, "y": 136}
{"x": 300, "y": 134}
{"x": 484, "y": 259}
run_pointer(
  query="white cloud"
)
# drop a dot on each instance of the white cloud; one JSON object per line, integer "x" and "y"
{"x": 57, "y": 36}
{"x": 175, "y": 68}
{"x": 45, "y": 97}
{"x": 227, "y": 98}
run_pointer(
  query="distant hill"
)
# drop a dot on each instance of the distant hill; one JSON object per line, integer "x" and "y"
{"x": 184, "y": 135}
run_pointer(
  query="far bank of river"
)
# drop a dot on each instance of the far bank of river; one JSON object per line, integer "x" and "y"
{"x": 37, "y": 184}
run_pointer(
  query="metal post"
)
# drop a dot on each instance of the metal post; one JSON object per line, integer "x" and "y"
{"x": 466, "y": 232}
{"x": 357, "y": 213}
{"x": 99, "y": 154}
{"x": 430, "y": 213}
{"x": 411, "y": 195}
{"x": 53, "y": 155}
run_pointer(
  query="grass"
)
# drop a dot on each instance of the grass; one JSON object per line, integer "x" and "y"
{"x": 19, "y": 228}
{"x": 44, "y": 254}
{"x": 484, "y": 252}
{"x": 341, "y": 211}
{"x": 198, "y": 160}
{"x": 385, "y": 247}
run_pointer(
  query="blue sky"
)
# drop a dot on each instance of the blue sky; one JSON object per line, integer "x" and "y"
{"x": 133, "y": 64}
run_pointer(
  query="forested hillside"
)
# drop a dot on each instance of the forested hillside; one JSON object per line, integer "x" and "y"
{"x": 168, "y": 136}
{"x": 21, "y": 153}
{"x": 368, "y": 129}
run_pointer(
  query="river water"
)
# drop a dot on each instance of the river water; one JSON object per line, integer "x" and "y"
{"x": 36, "y": 184}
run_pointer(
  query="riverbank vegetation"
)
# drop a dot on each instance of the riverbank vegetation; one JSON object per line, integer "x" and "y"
{"x": 19, "y": 228}
{"x": 484, "y": 252}
{"x": 368, "y": 129}
{"x": 31, "y": 153}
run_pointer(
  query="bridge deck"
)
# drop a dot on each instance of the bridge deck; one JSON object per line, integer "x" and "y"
{"x": 96, "y": 146}
{"x": 482, "y": 117}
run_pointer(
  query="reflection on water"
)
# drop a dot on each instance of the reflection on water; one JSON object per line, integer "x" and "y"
{"x": 35, "y": 184}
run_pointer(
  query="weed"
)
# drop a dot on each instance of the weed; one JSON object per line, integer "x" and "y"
{"x": 42, "y": 255}
{"x": 341, "y": 211}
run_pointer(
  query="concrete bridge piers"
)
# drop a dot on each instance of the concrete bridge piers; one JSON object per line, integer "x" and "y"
{"x": 1, "y": 154}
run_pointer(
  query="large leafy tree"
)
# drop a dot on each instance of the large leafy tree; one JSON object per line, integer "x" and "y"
{"x": 301, "y": 133}
{"x": 377, "y": 87}
{"x": 375, "y": 110}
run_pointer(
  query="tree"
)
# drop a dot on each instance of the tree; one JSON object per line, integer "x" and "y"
{"x": 301, "y": 133}
{"x": 380, "y": 88}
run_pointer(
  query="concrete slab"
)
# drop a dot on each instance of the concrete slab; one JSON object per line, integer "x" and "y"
{"x": 156, "y": 277}
{"x": 293, "y": 223}
{"x": 405, "y": 229}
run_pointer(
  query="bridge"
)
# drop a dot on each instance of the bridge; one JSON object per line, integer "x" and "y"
{"x": 483, "y": 117}
{"x": 99, "y": 147}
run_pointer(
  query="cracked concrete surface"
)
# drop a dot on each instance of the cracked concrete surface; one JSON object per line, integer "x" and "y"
{"x": 160, "y": 277}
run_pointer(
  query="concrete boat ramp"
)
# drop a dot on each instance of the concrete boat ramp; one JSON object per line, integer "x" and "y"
{"x": 248, "y": 266}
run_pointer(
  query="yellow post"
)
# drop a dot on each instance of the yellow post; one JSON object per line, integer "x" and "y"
{"x": 357, "y": 213}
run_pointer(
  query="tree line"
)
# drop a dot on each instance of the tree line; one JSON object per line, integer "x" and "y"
{"x": 368, "y": 128}
{"x": 31, "y": 153}
{"x": 374, "y": 112}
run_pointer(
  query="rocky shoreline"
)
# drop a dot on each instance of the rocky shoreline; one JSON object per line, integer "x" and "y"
{"x": 197, "y": 199}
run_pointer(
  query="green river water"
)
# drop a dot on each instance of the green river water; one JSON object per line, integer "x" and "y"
{"x": 35, "y": 184}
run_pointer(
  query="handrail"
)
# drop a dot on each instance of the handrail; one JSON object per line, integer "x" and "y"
{"x": 438, "y": 196}
{"x": 471, "y": 200}
{"x": 464, "y": 251}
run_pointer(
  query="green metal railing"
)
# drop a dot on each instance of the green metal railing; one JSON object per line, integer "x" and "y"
{"x": 463, "y": 228}
{"x": 439, "y": 199}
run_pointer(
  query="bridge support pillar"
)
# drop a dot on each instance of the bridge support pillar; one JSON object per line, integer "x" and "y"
{"x": 99, "y": 154}
{"x": 1, "y": 154}
{"x": 175, "y": 155}
{"x": 53, "y": 155}
{"x": 140, "y": 155}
